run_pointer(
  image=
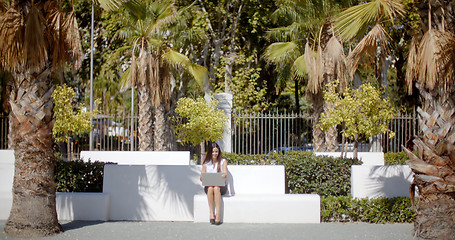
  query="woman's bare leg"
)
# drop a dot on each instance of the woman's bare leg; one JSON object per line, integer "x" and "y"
{"x": 217, "y": 196}
{"x": 210, "y": 197}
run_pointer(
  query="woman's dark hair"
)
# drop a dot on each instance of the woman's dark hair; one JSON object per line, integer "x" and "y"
{"x": 208, "y": 156}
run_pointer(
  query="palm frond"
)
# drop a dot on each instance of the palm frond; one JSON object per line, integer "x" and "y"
{"x": 283, "y": 76}
{"x": 73, "y": 39}
{"x": 288, "y": 9}
{"x": 335, "y": 62}
{"x": 199, "y": 73}
{"x": 11, "y": 40}
{"x": 355, "y": 20}
{"x": 125, "y": 82}
{"x": 3, "y": 7}
{"x": 177, "y": 59}
{"x": 55, "y": 20}
{"x": 449, "y": 63}
{"x": 314, "y": 65}
{"x": 35, "y": 46}
{"x": 287, "y": 33}
{"x": 319, "y": 69}
{"x": 299, "y": 68}
{"x": 432, "y": 65}
{"x": 136, "y": 8}
{"x": 281, "y": 52}
{"x": 111, "y": 5}
{"x": 377, "y": 37}
{"x": 166, "y": 15}
{"x": 411, "y": 65}
{"x": 155, "y": 84}
{"x": 133, "y": 71}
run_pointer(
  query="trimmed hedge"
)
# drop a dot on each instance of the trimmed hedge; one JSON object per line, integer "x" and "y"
{"x": 305, "y": 172}
{"x": 398, "y": 158}
{"x": 381, "y": 210}
{"x": 79, "y": 176}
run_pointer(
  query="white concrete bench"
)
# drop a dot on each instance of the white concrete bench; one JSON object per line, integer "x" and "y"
{"x": 380, "y": 181}
{"x": 368, "y": 158}
{"x": 82, "y": 206}
{"x": 151, "y": 192}
{"x": 6, "y": 182}
{"x": 138, "y": 157}
{"x": 175, "y": 193}
{"x": 256, "y": 194}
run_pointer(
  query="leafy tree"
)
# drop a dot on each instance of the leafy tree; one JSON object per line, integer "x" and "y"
{"x": 361, "y": 112}
{"x": 199, "y": 121}
{"x": 67, "y": 122}
{"x": 248, "y": 97}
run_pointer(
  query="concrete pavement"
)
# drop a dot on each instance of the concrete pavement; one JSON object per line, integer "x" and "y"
{"x": 86, "y": 230}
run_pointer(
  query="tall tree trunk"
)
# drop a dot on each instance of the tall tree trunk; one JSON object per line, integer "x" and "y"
{"x": 33, "y": 212}
{"x": 318, "y": 133}
{"x": 160, "y": 128}
{"x": 434, "y": 166}
{"x": 145, "y": 134}
{"x": 145, "y": 121}
{"x": 297, "y": 95}
{"x": 331, "y": 135}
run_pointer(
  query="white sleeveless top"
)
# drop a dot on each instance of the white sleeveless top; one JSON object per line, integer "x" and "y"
{"x": 213, "y": 169}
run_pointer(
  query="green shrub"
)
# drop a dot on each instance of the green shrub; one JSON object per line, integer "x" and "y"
{"x": 79, "y": 176}
{"x": 398, "y": 158}
{"x": 381, "y": 210}
{"x": 305, "y": 172}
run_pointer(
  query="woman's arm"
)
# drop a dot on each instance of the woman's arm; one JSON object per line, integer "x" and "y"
{"x": 204, "y": 169}
{"x": 225, "y": 171}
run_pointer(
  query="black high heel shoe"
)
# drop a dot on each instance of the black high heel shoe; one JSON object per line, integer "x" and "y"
{"x": 217, "y": 223}
{"x": 212, "y": 220}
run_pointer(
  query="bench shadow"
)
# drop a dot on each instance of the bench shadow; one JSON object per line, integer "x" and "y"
{"x": 79, "y": 224}
{"x": 178, "y": 185}
{"x": 389, "y": 181}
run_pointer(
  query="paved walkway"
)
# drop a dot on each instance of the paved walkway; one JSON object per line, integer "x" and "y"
{"x": 85, "y": 230}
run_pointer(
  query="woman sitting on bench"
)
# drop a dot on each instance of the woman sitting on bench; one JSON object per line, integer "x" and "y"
{"x": 214, "y": 163}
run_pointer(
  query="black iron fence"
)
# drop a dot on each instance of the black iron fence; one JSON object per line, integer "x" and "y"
{"x": 251, "y": 133}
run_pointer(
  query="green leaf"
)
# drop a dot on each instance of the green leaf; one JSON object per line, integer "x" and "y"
{"x": 281, "y": 52}
{"x": 299, "y": 67}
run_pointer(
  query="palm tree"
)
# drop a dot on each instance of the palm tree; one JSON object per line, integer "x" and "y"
{"x": 148, "y": 28}
{"x": 294, "y": 59}
{"x": 36, "y": 39}
{"x": 431, "y": 67}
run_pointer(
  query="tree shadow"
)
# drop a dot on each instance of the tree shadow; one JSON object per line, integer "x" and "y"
{"x": 153, "y": 192}
{"x": 389, "y": 181}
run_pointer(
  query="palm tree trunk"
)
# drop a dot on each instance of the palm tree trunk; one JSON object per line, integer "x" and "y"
{"x": 318, "y": 133}
{"x": 160, "y": 128}
{"x": 145, "y": 124}
{"x": 331, "y": 135}
{"x": 33, "y": 213}
{"x": 433, "y": 166}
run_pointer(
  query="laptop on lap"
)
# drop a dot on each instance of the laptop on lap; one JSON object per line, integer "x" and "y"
{"x": 213, "y": 179}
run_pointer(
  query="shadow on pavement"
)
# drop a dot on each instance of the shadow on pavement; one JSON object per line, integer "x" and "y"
{"x": 79, "y": 224}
